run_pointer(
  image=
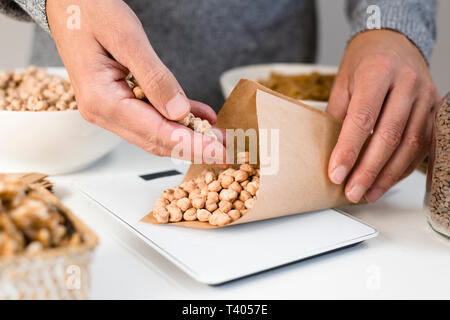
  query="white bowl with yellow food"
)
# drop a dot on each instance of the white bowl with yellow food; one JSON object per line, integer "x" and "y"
{"x": 273, "y": 72}
{"x": 41, "y": 129}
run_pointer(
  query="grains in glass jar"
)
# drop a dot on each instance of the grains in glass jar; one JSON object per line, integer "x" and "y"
{"x": 437, "y": 199}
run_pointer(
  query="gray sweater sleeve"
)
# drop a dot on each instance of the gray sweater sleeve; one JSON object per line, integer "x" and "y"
{"x": 26, "y": 10}
{"x": 416, "y": 19}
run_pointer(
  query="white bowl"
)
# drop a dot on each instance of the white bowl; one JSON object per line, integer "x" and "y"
{"x": 51, "y": 142}
{"x": 230, "y": 78}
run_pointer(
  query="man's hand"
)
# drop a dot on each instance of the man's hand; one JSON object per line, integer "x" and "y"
{"x": 109, "y": 43}
{"x": 383, "y": 85}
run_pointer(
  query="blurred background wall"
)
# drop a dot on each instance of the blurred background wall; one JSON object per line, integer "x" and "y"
{"x": 16, "y": 40}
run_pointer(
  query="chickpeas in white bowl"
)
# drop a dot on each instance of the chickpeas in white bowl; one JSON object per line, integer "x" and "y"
{"x": 41, "y": 129}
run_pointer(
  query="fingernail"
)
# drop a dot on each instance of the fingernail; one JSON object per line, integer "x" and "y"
{"x": 356, "y": 193}
{"x": 338, "y": 175}
{"x": 374, "y": 194}
{"x": 177, "y": 107}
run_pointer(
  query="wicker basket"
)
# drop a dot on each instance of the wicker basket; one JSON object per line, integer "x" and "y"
{"x": 60, "y": 273}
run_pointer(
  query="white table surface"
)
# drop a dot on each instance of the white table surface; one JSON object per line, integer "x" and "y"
{"x": 407, "y": 259}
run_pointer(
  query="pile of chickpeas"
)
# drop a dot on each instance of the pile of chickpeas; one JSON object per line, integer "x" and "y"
{"x": 218, "y": 199}
{"x": 35, "y": 90}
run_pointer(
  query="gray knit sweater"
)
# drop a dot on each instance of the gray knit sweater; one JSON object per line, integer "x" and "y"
{"x": 199, "y": 39}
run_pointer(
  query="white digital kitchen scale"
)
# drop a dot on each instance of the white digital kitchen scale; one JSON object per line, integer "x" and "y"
{"x": 215, "y": 256}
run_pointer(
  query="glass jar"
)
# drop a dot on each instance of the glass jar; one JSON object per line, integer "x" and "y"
{"x": 437, "y": 197}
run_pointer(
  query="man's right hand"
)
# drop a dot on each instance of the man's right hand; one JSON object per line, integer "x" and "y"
{"x": 109, "y": 43}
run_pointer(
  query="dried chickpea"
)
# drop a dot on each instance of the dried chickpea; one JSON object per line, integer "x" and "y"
{"x": 234, "y": 214}
{"x": 244, "y": 212}
{"x": 210, "y": 176}
{"x": 138, "y": 93}
{"x": 213, "y": 196}
{"x": 225, "y": 206}
{"x": 61, "y": 105}
{"x": 199, "y": 179}
{"x": 219, "y": 219}
{"x": 211, "y": 205}
{"x": 214, "y": 186}
{"x": 184, "y": 204}
{"x": 188, "y": 186}
{"x": 239, "y": 205}
{"x": 179, "y": 193}
{"x": 204, "y": 192}
{"x": 247, "y": 168}
{"x": 228, "y": 195}
{"x": 245, "y": 195}
{"x": 203, "y": 215}
{"x": 244, "y": 184}
{"x": 201, "y": 125}
{"x": 175, "y": 213}
{"x": 228, "y": 172}
{"x": 235, "y": 186}
{"x": 161, "y": 214}
{"x": 161, "y": 202}
{"x": 199, "y": 202}
{"x": 252, "y": 187}
{"x": 249, "y": 203}
{"x": 202, "y": 185}
{"x": 168, "y": 194}
{"x": 190, "y": 214}
{"x": 194, "y": 194}
{"x": 187, "y": 120}
{"x": 73, "y": 105}
{"x": 240, "y": 175}
{"x": 226, "y": 181}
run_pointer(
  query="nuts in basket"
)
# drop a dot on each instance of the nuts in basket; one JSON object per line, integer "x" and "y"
{"x": 29, "y": 222}
{"x": 35, "y": 90}
{"x": 218, "y": 199}
{"x": 44, "y": 249}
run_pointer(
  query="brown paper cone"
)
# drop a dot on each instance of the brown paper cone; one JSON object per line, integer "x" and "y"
{"x": 307, "y": 137}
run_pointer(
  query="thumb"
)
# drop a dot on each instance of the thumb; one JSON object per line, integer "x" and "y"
{"x": 161, "y": 88}
{"x": 130, "y": 46}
